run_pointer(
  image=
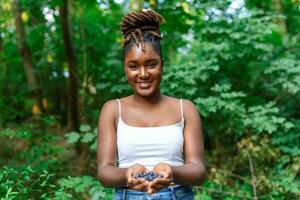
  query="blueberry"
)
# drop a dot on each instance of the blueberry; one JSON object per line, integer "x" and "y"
{"x": 151, "y": 173}
{"x": 149, "y": 176}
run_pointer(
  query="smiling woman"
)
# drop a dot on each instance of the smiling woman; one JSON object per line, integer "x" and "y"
{"x": 156, "y": 140}
{"x": 143, "y": 69}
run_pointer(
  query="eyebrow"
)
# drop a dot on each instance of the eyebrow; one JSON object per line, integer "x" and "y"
{"x": 151, "y": 60}
{"x": 132, "y": 61}
{"x": 148, "y": 60}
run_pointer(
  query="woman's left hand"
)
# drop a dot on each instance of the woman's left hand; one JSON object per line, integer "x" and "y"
{"x": 157, "y": 184}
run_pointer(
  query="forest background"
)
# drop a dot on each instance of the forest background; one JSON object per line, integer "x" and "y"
{"x": 238, "y": 61}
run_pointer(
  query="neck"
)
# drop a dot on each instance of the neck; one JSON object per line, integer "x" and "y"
{"x": 148, "y": 100}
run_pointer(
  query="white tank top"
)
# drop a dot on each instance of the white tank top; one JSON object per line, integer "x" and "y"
{"x": 150, "y": 145}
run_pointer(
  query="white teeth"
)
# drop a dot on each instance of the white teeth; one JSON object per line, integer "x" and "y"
{"x": 144, "y": 84}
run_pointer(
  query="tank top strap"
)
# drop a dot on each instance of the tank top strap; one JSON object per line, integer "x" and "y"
{"x": 181, "y": 110}
{"x": 119, "y": 108}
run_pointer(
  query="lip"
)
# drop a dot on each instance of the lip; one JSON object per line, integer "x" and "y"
{"x": 144, "y": 81}
{"x": 144, "y": 84}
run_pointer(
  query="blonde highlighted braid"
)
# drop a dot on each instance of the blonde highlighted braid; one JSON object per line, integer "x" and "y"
{"x": 140, "y": 27}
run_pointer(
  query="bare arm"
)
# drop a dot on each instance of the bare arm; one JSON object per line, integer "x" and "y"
{"x": 108, "y": 174}
{"x": 193, "y": 171}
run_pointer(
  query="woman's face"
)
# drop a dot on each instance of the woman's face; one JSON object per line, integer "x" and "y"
{"x": 143, "y": 69}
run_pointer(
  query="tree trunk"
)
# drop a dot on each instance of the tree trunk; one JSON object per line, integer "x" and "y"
{"x": 140, "y": 4}
{"x": 72, "y": 64}
{"x": 154, "y": 4}
{"x": 1, "y": 43}
{"x": 280, "y": 19}
{"x": 27, "y": 59}
{"x": 3, "y": 65}
{"x": 132, "y": 5}
{"x": 81, "y": 149}
{"x": 136, "y": 5}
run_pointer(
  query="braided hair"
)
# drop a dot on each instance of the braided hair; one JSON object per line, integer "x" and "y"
{"x": 141, "y": 27}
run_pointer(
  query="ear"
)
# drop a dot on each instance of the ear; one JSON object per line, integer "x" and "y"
{"x": 162, "y": 64}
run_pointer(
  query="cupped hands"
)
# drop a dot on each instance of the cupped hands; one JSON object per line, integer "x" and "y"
{"x": 141, "y": 179}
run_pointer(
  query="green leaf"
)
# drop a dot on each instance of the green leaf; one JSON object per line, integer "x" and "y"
{"x": 72, "y": 137}
{"x": 87, "y": 137}
{"x": 84, "y": 128}
{"x": 93, "y": 147}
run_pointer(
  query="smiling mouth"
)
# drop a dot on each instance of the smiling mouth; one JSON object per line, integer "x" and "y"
{"x": 144, "y": 84}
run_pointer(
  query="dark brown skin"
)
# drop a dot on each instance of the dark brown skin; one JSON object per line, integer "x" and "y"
{"x": 145, "y": 108}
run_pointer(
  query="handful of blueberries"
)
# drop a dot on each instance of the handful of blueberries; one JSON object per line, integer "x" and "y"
{"x": 149, "y": 176}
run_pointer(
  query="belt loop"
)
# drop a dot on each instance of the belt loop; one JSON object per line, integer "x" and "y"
{"x": 148, "y": 196}
{"x": 124, "y": 194}
{"x": 173, "y": 193}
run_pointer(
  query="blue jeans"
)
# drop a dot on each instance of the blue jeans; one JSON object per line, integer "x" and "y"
{"x": 177, "y": 192}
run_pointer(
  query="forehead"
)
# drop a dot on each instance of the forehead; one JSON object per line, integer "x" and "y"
{"x": 136, "y": 53}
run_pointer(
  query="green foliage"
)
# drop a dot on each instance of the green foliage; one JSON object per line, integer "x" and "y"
{"x": 233, "y": 61}
{"x": 24, "y": 183}
{"x": 224, "y": 101}
{"x": 40, "y": 178}
{"x": 70, "y": 188}
{"x": 28, "y": 183}
{"x": 73, "y": 137}
{"x": 246, "y": 90}
{"x": 285, "y": 73}
{"x": 86, "y": 135}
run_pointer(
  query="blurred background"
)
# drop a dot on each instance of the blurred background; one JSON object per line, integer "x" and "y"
{"x": 237, "y": 60}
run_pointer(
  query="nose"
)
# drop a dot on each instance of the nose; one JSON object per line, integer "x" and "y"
{"x": 143, "y": 73}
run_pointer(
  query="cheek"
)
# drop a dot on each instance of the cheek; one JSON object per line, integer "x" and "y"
{"x": 131, "y": 76}
{"x": 158, "y": 74}
{"x": 128, "y": 74}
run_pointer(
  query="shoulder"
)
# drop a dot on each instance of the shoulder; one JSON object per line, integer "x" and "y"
{"x": 110, "y": 105}
{"x": 126, "y": 100}
{"x": 109, "y": 114}
{"x": 113, "y": 103}
{"x": 187, "y": 104}
{"x": 109, "y": 109}
{"x": 170, "y": 99}
{"x": 190, "y": 110}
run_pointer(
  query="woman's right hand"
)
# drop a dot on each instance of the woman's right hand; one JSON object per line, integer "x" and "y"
{"x": 136, "y": 183}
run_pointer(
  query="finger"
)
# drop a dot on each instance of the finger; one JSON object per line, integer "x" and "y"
{"x": 129, "y": 176}
{"x": 129, "y": 181}
{"x": 141, "y": 187}
{"x": 137, "y": 181}
{"x": 157, "y": 186}
{"x": 151, "y": 191}
{"x": 165, "y": 174}
{"x": 160, "y": 183}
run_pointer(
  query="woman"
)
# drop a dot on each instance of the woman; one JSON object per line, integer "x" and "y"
{"x": 148, "y": 131}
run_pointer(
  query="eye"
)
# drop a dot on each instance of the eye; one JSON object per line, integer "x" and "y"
{"x": 151, "y": 65}
{"x": 132, "y": 67}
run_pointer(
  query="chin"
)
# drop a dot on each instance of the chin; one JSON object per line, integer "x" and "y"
{"x": 144, "y": 93}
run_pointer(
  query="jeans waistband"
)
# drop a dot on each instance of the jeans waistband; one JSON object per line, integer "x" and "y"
{"x": 170, "y": 188}
{"x": 176, "y": 192}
